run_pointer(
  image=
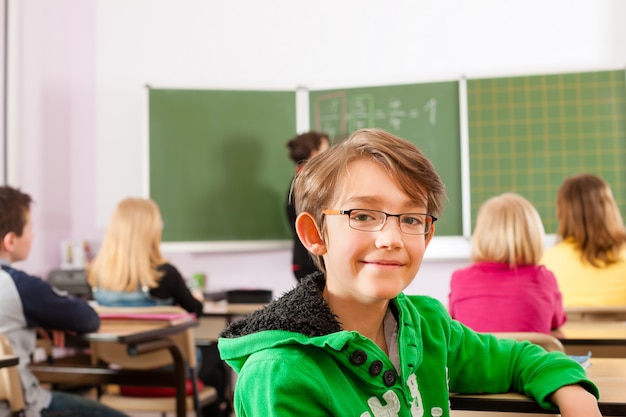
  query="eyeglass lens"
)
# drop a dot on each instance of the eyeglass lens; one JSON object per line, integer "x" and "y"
{"x": 374, "y": 220}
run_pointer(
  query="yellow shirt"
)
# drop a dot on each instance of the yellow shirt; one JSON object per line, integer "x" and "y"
{"x": 582, "y": 284}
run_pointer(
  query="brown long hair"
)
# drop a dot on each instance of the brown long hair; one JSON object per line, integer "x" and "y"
{"x": 589, "y": 215}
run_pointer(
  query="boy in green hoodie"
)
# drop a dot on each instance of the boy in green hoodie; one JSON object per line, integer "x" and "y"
{"x": 348, "y": 341}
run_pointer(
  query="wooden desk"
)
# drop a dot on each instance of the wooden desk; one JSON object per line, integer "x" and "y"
{"x": 141, "y": 337}
{"x": 228, "y": 310}
{"x": 219, "y": 314}
{"x": 602, "y": 338}
{"x": 607, "y": 331}
{"x": 136, "y": 331}
{"x": 609, "y": 374}
{"x": 612, "y": 313}
{"x": 8, "y": 360}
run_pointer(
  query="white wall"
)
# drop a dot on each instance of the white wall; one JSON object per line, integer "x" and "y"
{"x": 52, "y": 132}
{"x": 84, "y": 64}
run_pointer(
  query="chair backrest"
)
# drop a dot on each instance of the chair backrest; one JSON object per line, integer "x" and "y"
{"x": 10, "y": 383}
{"x": 117, "y": 354}
{"x": 548, "y": 342}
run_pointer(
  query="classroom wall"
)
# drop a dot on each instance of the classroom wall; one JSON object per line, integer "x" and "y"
{"x": 78, "y": 70}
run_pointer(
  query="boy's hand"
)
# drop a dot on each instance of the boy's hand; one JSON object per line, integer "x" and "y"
{"x": 57, "y": 337}
{"x": 574, "y": 400}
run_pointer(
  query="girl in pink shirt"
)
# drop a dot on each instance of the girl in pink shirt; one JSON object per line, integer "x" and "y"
{"x": 505, "y": 290}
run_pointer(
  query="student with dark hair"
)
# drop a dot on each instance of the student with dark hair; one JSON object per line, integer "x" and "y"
{"x": 301, "y": 149}
{"x": 28, "y": 303}
{"x": 347, "y": 341}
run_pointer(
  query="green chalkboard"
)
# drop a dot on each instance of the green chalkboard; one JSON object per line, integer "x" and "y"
{"x": 425, "y": 114}
{"x": 219, "y": 167}
{"x": 526, "y": 134}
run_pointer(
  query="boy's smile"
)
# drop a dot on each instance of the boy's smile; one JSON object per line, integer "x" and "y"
{"x": 371, "y": 266}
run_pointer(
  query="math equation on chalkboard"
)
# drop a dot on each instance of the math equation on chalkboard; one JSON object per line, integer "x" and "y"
{"x": 338, "y": 113}
{"x": 426, "y": 114}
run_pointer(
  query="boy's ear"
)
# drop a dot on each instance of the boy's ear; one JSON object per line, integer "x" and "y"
{"x": 8, "y": 242}
{"x": 309, "y": 234}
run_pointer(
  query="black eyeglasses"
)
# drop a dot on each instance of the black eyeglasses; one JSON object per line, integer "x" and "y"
{"x": 367, "y": 220}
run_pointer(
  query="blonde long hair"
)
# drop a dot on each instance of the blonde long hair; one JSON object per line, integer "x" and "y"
{"x": 129, "y": 255}
{"x": 508, "y": 230}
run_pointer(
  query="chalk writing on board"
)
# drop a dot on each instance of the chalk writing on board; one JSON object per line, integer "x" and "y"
{"x": 337, "y": 115}
{"x": 431, "y": 108}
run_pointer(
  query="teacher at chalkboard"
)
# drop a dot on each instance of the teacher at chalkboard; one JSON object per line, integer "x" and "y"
{"x": 302, "y": 148}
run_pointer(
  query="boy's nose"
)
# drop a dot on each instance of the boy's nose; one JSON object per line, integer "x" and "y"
{"x": 390, "y": 235}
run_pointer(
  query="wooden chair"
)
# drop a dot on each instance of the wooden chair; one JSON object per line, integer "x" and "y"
{"x": 10, "y": 384}
{"x": 548, "y": 342}
{"x": 116, "y": 355}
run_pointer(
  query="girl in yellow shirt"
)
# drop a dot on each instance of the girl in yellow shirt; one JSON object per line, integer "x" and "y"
{"x": 589, "y": 259}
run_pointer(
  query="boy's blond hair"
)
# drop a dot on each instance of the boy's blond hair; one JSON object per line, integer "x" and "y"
{"x": 508, "y": 230}
{"x": 130, "y": 254}
{"x": 317, "y": 186}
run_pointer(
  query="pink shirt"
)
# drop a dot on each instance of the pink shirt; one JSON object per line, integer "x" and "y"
{"x": 491, "y": 297}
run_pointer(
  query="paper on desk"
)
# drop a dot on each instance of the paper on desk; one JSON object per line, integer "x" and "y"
{"x": 583, "y": 360}
{"x": 171, "y": 317}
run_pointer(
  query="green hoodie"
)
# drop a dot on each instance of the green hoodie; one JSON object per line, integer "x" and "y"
{"x": 293, "y": 359}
